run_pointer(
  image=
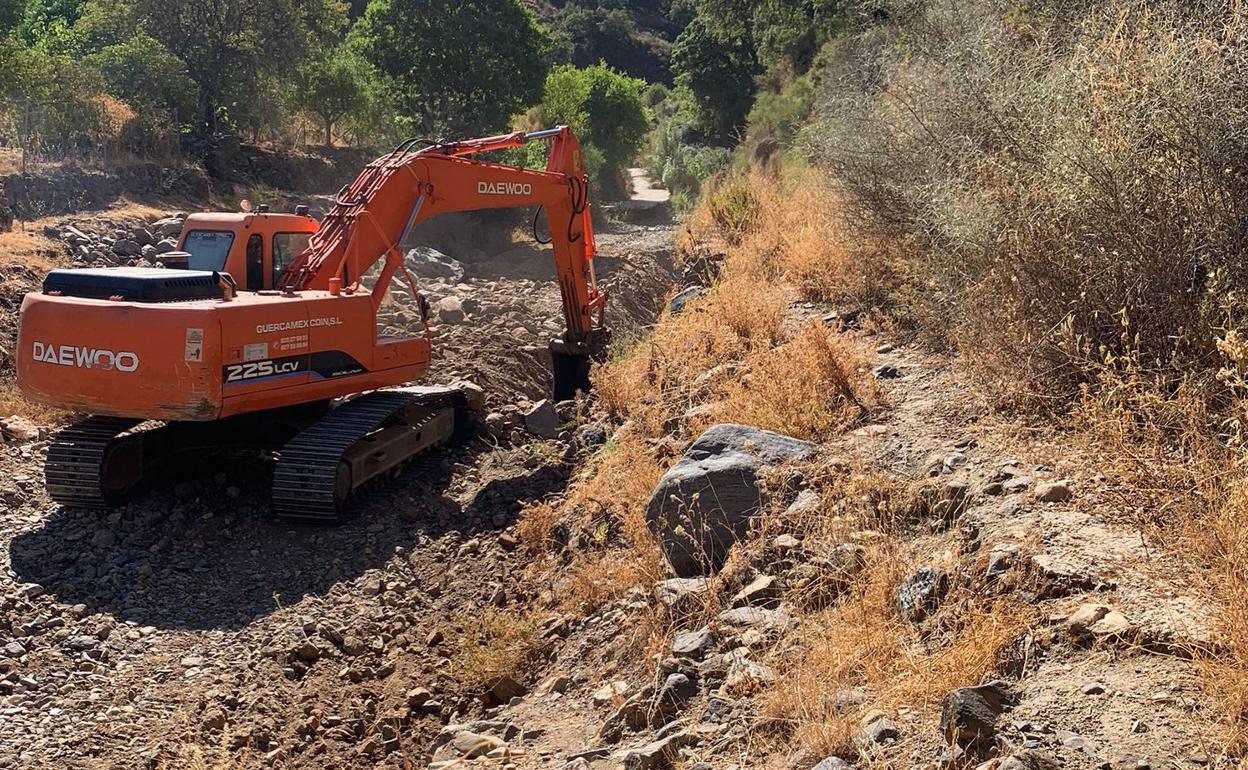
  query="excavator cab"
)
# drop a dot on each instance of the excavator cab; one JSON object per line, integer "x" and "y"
{"x": 253, "y": 247}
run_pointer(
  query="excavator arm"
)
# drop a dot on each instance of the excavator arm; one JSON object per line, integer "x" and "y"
{"x": 373, "y": 216}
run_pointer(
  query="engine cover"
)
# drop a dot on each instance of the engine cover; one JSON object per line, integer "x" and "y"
{"x": 135, "y": 284}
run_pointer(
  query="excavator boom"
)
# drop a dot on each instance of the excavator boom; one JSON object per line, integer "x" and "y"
{"x": 374, "y": 215}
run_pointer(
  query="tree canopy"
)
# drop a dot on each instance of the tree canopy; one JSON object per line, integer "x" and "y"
{"x": 718, "y": 72}
{"x": 455, "y": 68}
{"x": 606, "y": 110}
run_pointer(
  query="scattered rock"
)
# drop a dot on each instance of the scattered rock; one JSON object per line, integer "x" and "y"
{"x": 1023, "y": 760}
{"x": 786, "y": 542}
{"x": 677, "y": 690}
{"x": 308, "y": 652}
{"x": 469, "y": 744}
{"x": 681, "y": 595}
{"x": 1053, "y": 492}
{"x": 1093, "y": 688}
{"x": 609, "y": 693}
{"x": 450, "y": 310}
{"x": 1016, "y": 484}
{"x": 1001, "y": 559}
{"x": 427, "y": 263}
{"x": 542, "y": 420}
{"x": 506, "y": 688}
{"x": 880, "y": 731}
{"x": 18, "y": 429}
{"x": 833, "y": 763}
{"x": 920, "y": 594}
{"x": 678, "y": 302}
{"x": 760, "y": 590}
{"x": 746, "y": 677}
{"x": 693, "y": 644}
{"x": 749, "y": 617}
{"x": 658, "y": 754}
{"x": 968, "y": 715}
{"x": 1098, "y": 621}
{"x": 707, "y": 500}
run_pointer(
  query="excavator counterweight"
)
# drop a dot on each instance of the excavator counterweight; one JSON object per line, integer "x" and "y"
{"x": 268, "y": 336}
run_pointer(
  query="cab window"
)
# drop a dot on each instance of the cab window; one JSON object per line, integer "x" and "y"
{"x": 255, "y": 263}
{"x": 208, "y": 248}
{"x": 287, "y": 246}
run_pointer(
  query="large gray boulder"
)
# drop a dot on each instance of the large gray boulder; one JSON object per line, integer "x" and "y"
{"x": 429, "y": 263}
{"x": 706, "y": 501}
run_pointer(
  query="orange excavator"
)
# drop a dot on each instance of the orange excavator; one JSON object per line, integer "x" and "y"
{"x": 289, "y": 358}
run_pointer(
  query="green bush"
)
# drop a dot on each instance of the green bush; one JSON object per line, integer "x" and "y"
{"x": 733, "y": 206}
{"x": 677, "y": 158}
{"x": 143, "y": 73}
{"x": 605, "y": 109}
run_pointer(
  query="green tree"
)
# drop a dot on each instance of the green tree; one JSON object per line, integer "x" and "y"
{"x": 48, "y": 25}
{"x": 593, "y": 35}
{"x": 776, "y": 33}
{"x": 229, "y": 46}
{"x": 11, "y": 12}
{"x": 719, "y": 73}
{"x": 335, "y": 86}
{"x": 144, "y": 74}
{"x": 789, "y": 33}
{"x": 607, "y": 111}
{"x": 455, "y": 67}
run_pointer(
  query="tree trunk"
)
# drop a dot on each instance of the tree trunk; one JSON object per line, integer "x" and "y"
{"x": 329, "y": 132}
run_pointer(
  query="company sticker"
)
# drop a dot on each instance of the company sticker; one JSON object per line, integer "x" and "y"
{"x": 194, "y": 346}
{"x": 257, "y": 351}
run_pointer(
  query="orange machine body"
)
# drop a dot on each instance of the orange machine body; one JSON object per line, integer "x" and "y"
{"x": 300, "y": 328}
{"x": 206, "y": 359}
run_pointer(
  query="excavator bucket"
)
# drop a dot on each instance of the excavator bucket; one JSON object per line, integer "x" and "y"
{"x": 571, "y": 373}
{"x": 570, "y": 363}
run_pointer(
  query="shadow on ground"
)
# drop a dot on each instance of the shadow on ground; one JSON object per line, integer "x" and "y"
{"x": 205, "y": 554}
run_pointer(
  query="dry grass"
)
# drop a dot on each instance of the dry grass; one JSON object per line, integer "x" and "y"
{"x": 13, "y": 402}
{"x": 811, "y": 386}
{"x": 731, "y": 356}
{"x": 29, "y": 248}
{"x": 1178, "y": 475}
{"x": 493, "y": 645}
{"x": 860, "y": 642}
{"x": 790, "y": 226}
{"x": 1064, "y": 185}
{"x": 606, "y": 505}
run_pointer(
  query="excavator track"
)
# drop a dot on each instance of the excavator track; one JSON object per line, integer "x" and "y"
{"x": 88, "y": 466}
{"x": 365, "y": 439}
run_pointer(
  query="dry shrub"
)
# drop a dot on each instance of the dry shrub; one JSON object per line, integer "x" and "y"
{"x": 607, "y": 506}
{"x": 654, "y": 382}
{"x": 1176, "y": 473}
{"x": 13, "y": 402}
{"x": 809, "y": 382}
{"x": 802, "y": 231}
{"x": 1051, "y": 174}
{"x": 811, "y": 386}
{"x": 729, "y": 356}
{"x": 494, "y": 645}
{"x": 733, "y": 206}
{"x": 861, "y": 642}
{"x": 1222, "y": 542}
